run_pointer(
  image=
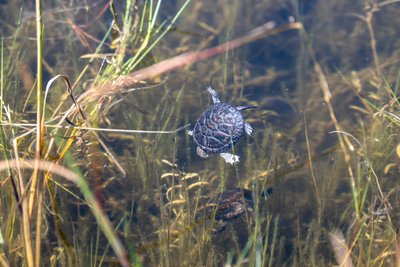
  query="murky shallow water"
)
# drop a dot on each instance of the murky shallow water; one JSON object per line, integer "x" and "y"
{"x": 292, "y": 149}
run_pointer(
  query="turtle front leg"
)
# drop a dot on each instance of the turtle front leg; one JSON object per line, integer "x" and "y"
{"x": 230, "y": 158}
{"x": 248, "y": 129}
{"x": 201, "y": 153}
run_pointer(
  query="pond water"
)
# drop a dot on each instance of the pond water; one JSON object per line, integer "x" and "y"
{"x": 320, "y": 138}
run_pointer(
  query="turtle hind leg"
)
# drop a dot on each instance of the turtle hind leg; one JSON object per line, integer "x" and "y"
{"x": 240, "y": 108}
{"x": 230, "y": 158}
{"x": 248, "y": 129}
{"x": 201, "y": 153}
{"x": 220, "y": 228}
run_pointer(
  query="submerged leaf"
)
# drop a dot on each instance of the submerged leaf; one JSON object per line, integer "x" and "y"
{"x": 169, "y": 174}
{"x": 189, "y": 176}
{"x": 198, "y": 184}
{"x": 398, "y": 151}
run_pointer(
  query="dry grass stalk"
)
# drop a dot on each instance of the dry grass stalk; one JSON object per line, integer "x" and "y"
{"x": 339, "y": 246}
{"x": 397, "y": 250}
{"x": 186, "y": 59}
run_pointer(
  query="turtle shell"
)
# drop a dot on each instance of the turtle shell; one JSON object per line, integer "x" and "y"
{"x": 218, "y": 128}
{"x": 234, "y": 203}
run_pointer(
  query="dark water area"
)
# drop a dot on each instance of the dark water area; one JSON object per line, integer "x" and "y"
{"x": 295, "y": 148}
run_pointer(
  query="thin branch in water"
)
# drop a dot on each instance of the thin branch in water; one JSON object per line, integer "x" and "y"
{"x": 183, "y": 60}
{"x": 127, "y": 131}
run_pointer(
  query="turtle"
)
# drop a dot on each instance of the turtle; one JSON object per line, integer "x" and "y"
{"x": 233, "y": 204}
{"x": 219, "y": 128}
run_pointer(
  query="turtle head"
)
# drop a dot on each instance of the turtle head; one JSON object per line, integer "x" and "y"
{"x": 214, "y": 95}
